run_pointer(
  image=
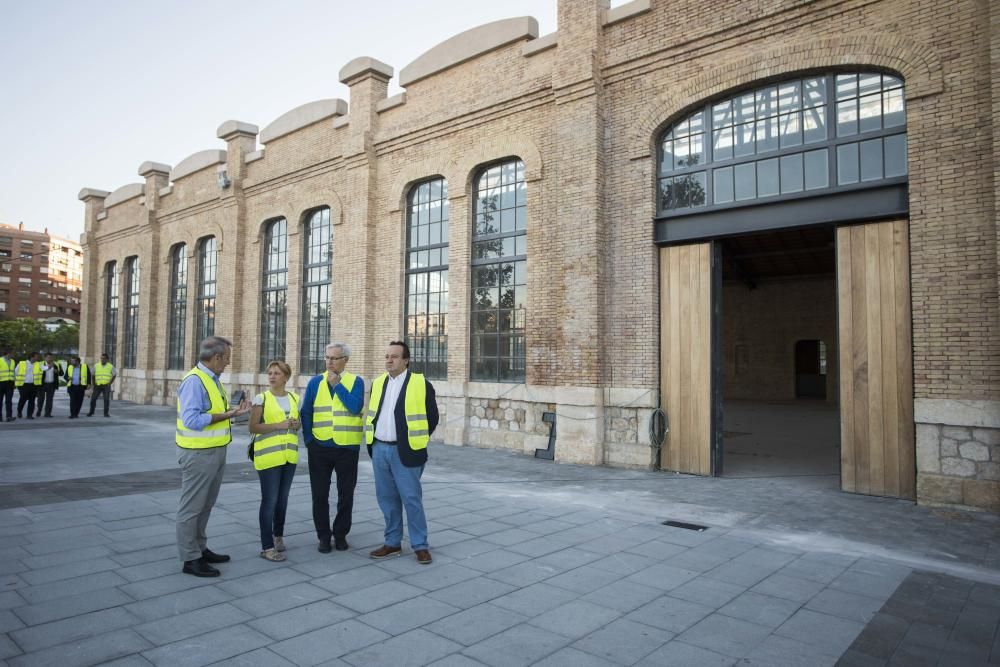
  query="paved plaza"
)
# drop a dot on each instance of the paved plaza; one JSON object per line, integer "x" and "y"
{"x": 534, "y": 563}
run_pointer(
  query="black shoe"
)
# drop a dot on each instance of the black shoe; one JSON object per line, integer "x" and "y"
{"x": 210, "y": 556}
{"x": 10, "y": 419}
{"x": 341, "y": 543}
{"x": 324, "y": 546}
{"x": 90, "y": 414}
{"x": 199, "y": 568}
{"x": 107, "y": 415}
{"x": 30, "y": 417}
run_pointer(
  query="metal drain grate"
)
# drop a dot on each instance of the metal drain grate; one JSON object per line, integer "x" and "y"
{"x": 686, "y": 526}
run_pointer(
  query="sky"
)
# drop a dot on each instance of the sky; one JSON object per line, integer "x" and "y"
{"x": 91, "y": 89}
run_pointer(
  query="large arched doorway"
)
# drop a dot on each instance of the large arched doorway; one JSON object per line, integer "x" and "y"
{"x": 782, "y": 217}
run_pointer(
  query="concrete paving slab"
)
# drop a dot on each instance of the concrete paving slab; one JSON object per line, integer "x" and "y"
{"x": 535, "y": 562}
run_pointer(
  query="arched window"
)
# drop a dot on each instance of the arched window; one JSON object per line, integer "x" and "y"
{"x": 317, "y": 268}
{"x": 178, "y": 307}
{"x": 427, "y": 278}
{"x": 499, "y": 274}
{"x": 208, "y": 260}
{"x": 814, "y": 135}
{"x": 131, "y": 311}
{"x": 111, "y": 310}
{"x": 274, "y": 292}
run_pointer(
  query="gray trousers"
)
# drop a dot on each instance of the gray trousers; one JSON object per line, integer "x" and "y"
{"x": 201, "y": 477}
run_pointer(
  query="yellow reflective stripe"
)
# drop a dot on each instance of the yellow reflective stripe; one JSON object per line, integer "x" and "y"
{"x": 200, "y": 434}
{"x": 322, "y": 422}
{"x": 418, "y": 432}
{"x": 268, "y": 436}
{"x": 351, "y": 429}
{"x": 343, "y": 413}
{"x": 416, "y": 418}
{"x": 274, "y": 448}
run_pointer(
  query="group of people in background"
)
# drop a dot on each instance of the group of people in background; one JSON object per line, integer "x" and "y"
{"x": 331, "y": 417}
{"x": 37, "y": 379}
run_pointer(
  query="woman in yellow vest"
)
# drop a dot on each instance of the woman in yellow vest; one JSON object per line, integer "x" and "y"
{"x": 274, "y": 420}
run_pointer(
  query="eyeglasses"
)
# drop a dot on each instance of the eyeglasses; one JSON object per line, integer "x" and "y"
{"x": 334, "y": 358}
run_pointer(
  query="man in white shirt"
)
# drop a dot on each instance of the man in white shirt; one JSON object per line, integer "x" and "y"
{"x": 50, "y": 382}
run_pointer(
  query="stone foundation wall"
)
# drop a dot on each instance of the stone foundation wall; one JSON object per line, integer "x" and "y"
{"x": 959, "y": 464}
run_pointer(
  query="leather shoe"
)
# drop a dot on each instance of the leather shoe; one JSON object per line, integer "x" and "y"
{"x": 423, "y": 556}
{"x": 199, "y": 568}
{"x": 341, "y": 543}
{"x": 385, "y": 551}
{"x": 324, "y": 546}
{"x": 210, "y": 556}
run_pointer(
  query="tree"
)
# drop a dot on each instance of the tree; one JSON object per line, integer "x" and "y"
{"x": 23, "y": 336}
{"x": 64, "y": 340}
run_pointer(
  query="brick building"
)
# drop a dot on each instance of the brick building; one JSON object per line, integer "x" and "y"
{"x": 778, "y": 201}
{"x": 41, "y": 275}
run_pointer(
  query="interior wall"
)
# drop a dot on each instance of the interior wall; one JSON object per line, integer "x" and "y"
{"x": 760, "y": 328}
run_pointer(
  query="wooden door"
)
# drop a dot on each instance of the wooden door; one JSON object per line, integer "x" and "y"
{"x": 686, "y": 363}
{"x": 877, "y": 448}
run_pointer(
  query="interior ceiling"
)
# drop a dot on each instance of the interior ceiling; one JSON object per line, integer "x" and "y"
{"x": 808, "y": 251}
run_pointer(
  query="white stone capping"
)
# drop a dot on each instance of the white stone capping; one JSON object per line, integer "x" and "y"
{"x": 147, "y": 168}
{"x": 197, "y": 162}
{"x": 626, "y": 11}
{"x": 299, "y": 117}
{"x": 390, "y": 102}
{"x": 92, "y": 193}
{"x": 543, "y": 43}
{"x": 166, "y": 191}
{"x": 957, "y": 412}
{"x": 234, "y": 128}
{"x": 364, "y": 65}
{"x": 342, "y": 121}
{"x": 256, "y": 155}
{"x": 102, "y": 215}
{"x": 124, "y": 193}
{"x": 468, "y": 45}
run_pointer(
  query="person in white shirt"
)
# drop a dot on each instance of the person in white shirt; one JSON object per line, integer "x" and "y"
{"x": 50, "y": 382}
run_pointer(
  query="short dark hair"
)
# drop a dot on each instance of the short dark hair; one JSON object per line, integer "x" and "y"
{"x": 406, "y": 348}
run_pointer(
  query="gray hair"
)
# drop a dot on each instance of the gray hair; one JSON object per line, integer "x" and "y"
{"x": 212, "y": 346}
{"x": 344, "y": 347}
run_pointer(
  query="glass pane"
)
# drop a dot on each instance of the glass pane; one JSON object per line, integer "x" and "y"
{"x": 869, "y": 83}
{"x": 744, "y": 140}
{"x": 847, "y": 164}
{"x": 893, "y": 108}
{"x": 871, "y": 160}
{"x": 847, "y": 118}
{"x": 817, "y": 169}
{"x": 507, "y": 220}
{"x": 696, "y": 124}
{"x": 814, "y": 92}
{"x": 791, "y": 129}
{"x": 666, "y": 196}
{"x": 722, "y": 185}
{"x": 847, "y": 86}
{"x": 789, "y": 97}
{"x": 767, "y": 178}
{"x": 871, "y": 112}
{"x": 814, "y": 125}
{"x": 696, "y": 156}
{"x": 767, "y": 101}
{"x": 791, "y": 173}
{"x": 895, "y": 156}
{"x": 722, "y": 114}
{"x": 722, "y": 147}
{"x": 521, "y": 245}
{"x": 746, "y": 181}
{"x": 767, "y": 135}
{"x": 682, "y": 147}
{"x": 689, "y": 190}
{"x": 744, "y": 108}
{"x": 890, "y": 82}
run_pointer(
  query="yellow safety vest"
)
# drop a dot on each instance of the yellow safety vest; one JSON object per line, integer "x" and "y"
{"x": 331, "y": 419}
{"x": 278, "y": 447}
{"x": 103, "y": 373}
{"x": 22, "y": 373}
{"x": 6, "y": 370}
{"x": 414, "y": 405}
{"x": 213, "y": 435}
{"x": 83, "y": 375}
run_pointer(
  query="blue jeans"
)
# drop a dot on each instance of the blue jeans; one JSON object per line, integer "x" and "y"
{"x": 396, "y": 487}
{"x": 275, "y": 483}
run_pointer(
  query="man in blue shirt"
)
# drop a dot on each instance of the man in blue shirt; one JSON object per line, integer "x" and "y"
{"x": 203, "y": 433}
{"x": 333, "y": 430}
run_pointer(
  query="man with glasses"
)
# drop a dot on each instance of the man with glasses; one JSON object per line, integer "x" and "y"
{"x": 333, "y": 428}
